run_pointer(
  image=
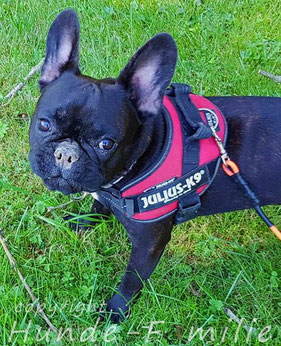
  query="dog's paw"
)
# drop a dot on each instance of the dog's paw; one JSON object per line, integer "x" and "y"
{"x": 118, "y": 308}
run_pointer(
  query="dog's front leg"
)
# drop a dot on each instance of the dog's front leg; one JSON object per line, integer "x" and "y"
{"x": 148, "y": 243}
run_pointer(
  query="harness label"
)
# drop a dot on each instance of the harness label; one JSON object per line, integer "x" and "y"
{"x": 212, "y": 118}
{"x": 169, "y": 193}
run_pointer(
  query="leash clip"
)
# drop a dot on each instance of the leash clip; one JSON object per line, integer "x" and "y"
{"x": 73, "y": 199}
{"x": 223, "y": 152}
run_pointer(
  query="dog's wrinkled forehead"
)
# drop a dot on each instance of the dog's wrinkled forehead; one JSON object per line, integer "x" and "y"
{"x": 84, "y": 103}
{"x": 64, "y": 92}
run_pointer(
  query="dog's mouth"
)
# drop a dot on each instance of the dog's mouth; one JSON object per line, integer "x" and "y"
{"x": 80, "y": 178}
{"x": 67, "y": 187}
{"x": 61, "y": 184}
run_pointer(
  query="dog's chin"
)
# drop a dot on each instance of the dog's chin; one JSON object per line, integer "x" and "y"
{"x": 62, "y": 185}
{"x": 66, "y": 187}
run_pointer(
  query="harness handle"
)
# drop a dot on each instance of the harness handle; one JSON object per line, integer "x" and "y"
{"x": 181, "y": 93}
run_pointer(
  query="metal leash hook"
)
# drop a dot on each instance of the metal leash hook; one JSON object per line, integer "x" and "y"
{"x": 224, "y": 155}
{"x": 73, "y": 199}
{"x": 232, "y": 170}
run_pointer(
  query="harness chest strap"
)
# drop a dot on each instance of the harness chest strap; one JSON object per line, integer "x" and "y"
{"x": 161, "y": 195}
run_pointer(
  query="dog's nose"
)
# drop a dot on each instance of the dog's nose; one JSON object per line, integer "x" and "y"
{"x": 66, "y": 154}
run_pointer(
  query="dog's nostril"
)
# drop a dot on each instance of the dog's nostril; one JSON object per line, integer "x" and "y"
{"x": 66, "y": 154}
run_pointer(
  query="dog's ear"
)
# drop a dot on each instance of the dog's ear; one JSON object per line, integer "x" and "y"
{"x": 62, "y": 48}
{"x": 149, "y": 72}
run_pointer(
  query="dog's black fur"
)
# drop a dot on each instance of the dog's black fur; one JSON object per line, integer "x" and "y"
{"x": 79, "y": 112}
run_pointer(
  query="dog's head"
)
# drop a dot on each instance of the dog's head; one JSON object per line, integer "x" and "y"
{"x": 85, "y": 132}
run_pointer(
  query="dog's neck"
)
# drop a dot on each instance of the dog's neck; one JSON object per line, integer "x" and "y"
{"x": 153, "y": 134}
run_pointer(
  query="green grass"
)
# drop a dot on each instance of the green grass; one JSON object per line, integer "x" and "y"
{"x": 227, "y": 260}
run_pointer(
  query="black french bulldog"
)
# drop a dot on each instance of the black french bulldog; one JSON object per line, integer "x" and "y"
{"x": 87, "y": 132}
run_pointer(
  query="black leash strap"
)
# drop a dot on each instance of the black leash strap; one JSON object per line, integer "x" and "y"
{"x": 233, "y": 171}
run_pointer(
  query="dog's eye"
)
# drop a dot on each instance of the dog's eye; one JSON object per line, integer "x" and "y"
{"x": 44, "y": 125}
{"x": 106, "y": 144}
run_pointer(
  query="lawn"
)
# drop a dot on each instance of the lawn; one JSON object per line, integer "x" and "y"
{"x": 223, "y": 261}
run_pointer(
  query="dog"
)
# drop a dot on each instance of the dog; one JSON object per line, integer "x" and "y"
{"x": 88, "y": 134}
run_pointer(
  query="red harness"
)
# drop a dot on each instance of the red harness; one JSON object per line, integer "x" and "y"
{"x": 195, "y": 145}
{"x": 176, "y": 181}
